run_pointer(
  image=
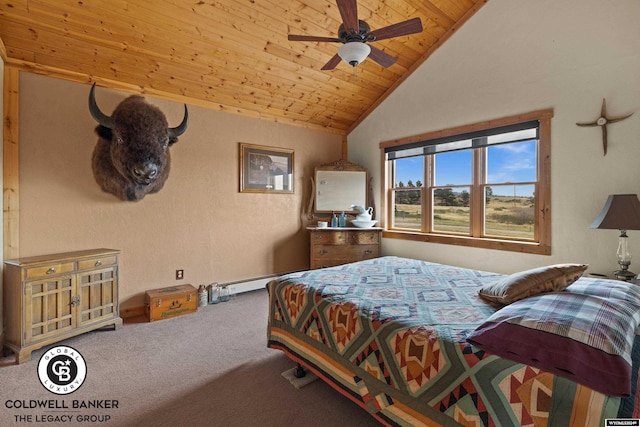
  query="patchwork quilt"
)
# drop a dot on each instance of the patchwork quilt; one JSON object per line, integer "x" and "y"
{"x": 391, "y": 335}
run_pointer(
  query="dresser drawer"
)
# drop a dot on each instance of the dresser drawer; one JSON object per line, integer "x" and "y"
{"x": 49, "y": 269}
{"x": 363, "y": 238}
{"x": 329, "y": 237}
{"x": 332, "y": 255}
{"x": 346, "y": 253}
{"x": 104, "y": 261}
{"x": 337, "y": 246}
{"x": 349, "y": 237}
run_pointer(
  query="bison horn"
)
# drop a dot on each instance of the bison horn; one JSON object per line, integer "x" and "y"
{"x": 175, "y": 132}
{"x": 98, "y": 115}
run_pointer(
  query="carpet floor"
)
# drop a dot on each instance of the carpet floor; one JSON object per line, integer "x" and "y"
{"x": 210, "y": 368}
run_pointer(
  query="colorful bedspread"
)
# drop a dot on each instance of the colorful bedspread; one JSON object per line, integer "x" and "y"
{"x": 390, "y": 334}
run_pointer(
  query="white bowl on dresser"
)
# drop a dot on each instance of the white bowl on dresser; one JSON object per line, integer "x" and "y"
{"x": 363, "y": 224}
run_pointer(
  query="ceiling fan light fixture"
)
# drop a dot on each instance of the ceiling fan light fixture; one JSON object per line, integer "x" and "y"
{"x": 353, "y": 53}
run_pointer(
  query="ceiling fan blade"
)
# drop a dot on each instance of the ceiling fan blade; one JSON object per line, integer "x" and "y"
{"x": 381, "y": 57}
{"x": 403, "y": 28}
{"x": 300, "y": 38}
{"x": 333, "y": 63}
{"x": 349, "y": 13}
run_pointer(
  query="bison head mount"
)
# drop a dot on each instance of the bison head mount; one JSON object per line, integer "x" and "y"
{"x": 131, "y": 158}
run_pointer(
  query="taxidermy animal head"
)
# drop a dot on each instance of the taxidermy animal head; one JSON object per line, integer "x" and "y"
{"x": 131, "y": 158}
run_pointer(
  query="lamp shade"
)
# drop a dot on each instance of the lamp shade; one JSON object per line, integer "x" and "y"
{"x": 354, "y": 53}
{"x": 620, "y": 212}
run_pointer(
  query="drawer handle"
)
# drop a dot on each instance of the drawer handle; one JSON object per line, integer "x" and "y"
{"x": 368, "y": 251}
{"x": 98, "y": 263}
{"x": 51, "y": 270}
{"x": 323, "y": 251}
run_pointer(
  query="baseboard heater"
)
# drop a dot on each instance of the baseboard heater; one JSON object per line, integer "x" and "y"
{"x": 247, "y": 285}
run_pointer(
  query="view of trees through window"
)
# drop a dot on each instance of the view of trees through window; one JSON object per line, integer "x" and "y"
{"x": 505, "y": 215}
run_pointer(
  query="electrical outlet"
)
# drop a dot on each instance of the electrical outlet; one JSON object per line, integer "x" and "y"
{"x": 179, "y": 274}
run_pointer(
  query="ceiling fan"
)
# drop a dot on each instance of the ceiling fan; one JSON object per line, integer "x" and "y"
{"x": 354, "y": 35}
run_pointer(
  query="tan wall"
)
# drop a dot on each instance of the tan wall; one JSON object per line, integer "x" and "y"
{"x": 198, "y": 222}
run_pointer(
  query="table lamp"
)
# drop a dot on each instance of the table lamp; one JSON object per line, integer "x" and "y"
{"x": 620, "y": 212}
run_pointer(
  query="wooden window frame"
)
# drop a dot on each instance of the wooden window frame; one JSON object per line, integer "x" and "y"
{"x": 542, "y": 240}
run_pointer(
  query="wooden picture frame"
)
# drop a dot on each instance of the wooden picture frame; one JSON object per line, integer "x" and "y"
{"x": 266, "y": 169}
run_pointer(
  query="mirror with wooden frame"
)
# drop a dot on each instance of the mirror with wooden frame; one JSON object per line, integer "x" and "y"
{"x": 339, "y": 185}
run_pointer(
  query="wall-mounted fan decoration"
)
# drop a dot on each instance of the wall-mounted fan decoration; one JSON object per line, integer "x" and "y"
{"x": 354, "y": 35}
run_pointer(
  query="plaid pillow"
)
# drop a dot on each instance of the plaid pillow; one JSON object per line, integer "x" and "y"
{"x": 585, "y": 338}
{"x": 607, "y": 288}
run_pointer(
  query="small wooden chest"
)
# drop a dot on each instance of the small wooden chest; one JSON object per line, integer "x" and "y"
{"x": 173, "y": 301}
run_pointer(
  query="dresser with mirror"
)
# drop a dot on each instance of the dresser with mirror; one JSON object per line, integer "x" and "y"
{"x": 336, "y": 188}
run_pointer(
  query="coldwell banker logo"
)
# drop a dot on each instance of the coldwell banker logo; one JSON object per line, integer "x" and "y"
{"x": 62, "y": 370}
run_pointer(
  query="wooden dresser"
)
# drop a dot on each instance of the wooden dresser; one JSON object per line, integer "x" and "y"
{"x": 336, "y": 246}
{"x": 53, "y": 297}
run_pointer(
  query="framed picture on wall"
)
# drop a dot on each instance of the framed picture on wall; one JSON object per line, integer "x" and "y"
{"x": 265, "y": 169}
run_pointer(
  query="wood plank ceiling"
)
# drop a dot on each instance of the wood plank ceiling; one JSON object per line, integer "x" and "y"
{"x": 229, "y": 55}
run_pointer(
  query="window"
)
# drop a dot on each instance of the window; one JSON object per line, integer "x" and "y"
{"x": 484, "y": 185}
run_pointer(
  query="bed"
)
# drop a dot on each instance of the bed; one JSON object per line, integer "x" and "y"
{"x": 395, "y": 336}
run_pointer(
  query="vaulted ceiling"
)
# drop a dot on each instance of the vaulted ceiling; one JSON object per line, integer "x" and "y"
{"x": 229, "y": 55}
